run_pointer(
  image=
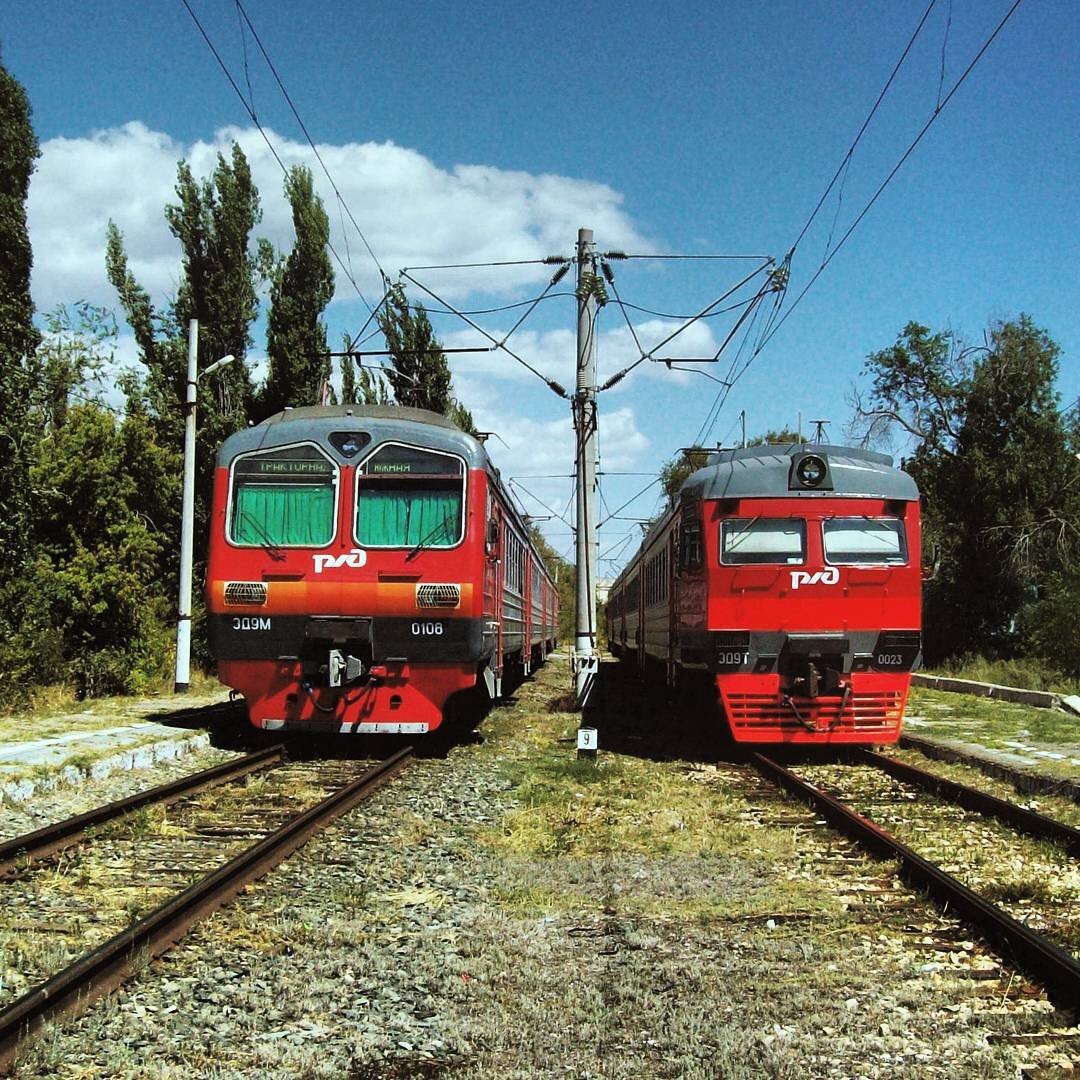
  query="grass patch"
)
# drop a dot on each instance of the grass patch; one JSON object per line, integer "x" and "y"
{"x": 55, "y": 711}
{"x": 1023, "y": 672}
{"x": 997, "y": 725}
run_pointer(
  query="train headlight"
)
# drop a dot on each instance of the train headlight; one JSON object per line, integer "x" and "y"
{"x": 810, "y": 471}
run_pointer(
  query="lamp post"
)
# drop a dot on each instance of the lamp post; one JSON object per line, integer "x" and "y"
{"x": 187, "y": 516}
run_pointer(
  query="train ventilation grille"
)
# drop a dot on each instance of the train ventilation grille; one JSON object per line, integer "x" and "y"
{"x": 245, "y": 592}
{"x": 431, "y": 596}
{"x": 865, "y": 712}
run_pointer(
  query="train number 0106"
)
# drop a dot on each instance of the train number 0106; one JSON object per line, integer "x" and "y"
{"x": 427, "y": 629}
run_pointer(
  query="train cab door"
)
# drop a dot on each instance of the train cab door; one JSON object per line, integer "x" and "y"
{"x": 669, "y": 593}
{"x": 493, "y": 595}
{"x": 527, "y": 605}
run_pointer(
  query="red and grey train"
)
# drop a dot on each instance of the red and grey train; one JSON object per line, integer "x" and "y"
{"x": 368, "y": 572}
{"x": 784, "y": 586}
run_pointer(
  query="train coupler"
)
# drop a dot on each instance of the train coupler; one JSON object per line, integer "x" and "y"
{"x": 343, "y": 668}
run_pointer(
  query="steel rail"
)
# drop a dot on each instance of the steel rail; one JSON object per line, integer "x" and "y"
{"x": 16, "y": 853}
{"x": 98, "y": 972}
{"x": 1044, "y": 962}
{"x": 1027, "y": 821}
{"x": 1027, "y": 782}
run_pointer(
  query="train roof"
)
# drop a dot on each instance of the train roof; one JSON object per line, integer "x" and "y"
{"x": 384, "y": 423}
{"x": 764, "y": 471}
{"x": 755, "y": 472}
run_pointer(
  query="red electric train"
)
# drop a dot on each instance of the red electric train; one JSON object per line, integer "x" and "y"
{"x": 783, "y": 586}
{"x": 369, "y": 573}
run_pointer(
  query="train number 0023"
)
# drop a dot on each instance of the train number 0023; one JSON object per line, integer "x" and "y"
{"x": 427, "y": 629}
{"x": 890, "y": 660}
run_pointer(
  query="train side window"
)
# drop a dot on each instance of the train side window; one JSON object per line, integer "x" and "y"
{"x": 283, "y": 498}
{"x": 691, "y": 549}
{"x": 857, "y": 541}
{"x": 748, "y": 541}
{"x": 407, "y": 496}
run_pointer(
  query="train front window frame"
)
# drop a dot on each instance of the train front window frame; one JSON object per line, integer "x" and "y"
{"x": 871, "y": 554}
{"x": 393, "y": 491}
{"x": 757, "y": 539}
{"x": 287, "y": 477}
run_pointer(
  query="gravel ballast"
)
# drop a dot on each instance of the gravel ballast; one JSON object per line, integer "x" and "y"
{"x": 505, "y": 912}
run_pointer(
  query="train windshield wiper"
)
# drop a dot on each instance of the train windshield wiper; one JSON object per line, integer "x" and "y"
{"x": 430, "y": 535}
{"x": 265, "y": 542}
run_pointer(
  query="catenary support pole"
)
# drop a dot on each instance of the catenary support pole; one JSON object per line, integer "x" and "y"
{"x": 586, "y": 660}
{"x": 187, "y": 517}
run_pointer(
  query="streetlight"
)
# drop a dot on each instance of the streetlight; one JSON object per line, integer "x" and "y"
{"x": 187, "y": 517}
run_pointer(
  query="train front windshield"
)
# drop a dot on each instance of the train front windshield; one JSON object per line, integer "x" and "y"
{"x": 407, "y": 497}
{"x": 283, "y": 498}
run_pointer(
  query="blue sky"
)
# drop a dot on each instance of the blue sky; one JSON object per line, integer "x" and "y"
{"x": 469, "y": 132}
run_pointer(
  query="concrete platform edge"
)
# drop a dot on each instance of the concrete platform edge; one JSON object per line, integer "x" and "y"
{"x": 139, "y": 757}
{"x": 1040, "y": 699}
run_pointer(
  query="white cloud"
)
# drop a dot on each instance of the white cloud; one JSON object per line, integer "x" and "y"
{"x": 411, "y": 211}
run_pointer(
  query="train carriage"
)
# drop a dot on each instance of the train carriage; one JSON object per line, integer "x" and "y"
{"x": 367, "y": 571}
{"x": 785, "y": 584}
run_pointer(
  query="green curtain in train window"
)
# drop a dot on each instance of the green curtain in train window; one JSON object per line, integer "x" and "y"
{"x": 404, "y": 517}
{"x": 301, "y": 514}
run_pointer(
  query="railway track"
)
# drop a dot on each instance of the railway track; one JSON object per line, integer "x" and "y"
{"x": 17, "y": 854}
{"x": 1043, "y": 960}
{"x": 72, "y": 989}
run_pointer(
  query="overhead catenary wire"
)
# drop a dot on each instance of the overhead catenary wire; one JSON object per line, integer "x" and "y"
{"x": 776, "y": 319}
{"x": 938, "y": 109}
{"x": 310, "y": 141}
{"x": 496, "y": 344}
{"x": 266, "y": 138}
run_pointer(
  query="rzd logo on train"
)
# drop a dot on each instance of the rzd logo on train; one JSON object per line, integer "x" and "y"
{"x": 355, "y": 558}
{"x": 819, "y": 577}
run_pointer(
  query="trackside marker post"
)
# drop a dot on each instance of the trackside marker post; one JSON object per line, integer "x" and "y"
{"x": 586, "y": 742}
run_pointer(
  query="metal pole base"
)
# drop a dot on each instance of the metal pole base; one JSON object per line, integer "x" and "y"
{"x": 585, "y": 667}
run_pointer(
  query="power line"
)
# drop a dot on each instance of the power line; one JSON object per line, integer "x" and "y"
{"x": 311, "y": 143}
{"x": 496, "y": 344}
{"x": 895, "y": 169}
{"x": 266, "y": 138}
{"x": 865, "y": 124}
{"x": 776, "y": 320}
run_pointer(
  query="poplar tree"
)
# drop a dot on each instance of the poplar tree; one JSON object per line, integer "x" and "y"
{"x": 18, "y": 337}
{"x": 419, "y": 373}
{"x": 301, "y": 286}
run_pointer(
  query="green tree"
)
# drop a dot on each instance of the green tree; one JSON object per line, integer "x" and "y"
{"x": 419, "y": 373}
{"x": 301, "y": 286}
{"x": 18, "y": 336}
{"x": 90, "y": 608}
{"x": 213, "y": 221}
{"x": 994, "y": 462}
{"x": 359, "y": 384}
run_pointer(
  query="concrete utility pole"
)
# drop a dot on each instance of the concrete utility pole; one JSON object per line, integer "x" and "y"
{"x": 187, "y": 513}
{"x": 187, "y": 516}
{"x": 586, "y": 660}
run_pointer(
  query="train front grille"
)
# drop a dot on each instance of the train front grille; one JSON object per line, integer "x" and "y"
{"x": 864, "y": 713}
